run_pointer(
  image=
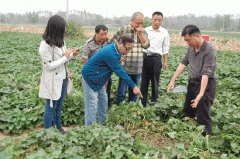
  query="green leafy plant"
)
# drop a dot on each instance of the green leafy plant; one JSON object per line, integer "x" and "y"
{"x": 95, "y": 142}
{"x": 147, "y": 23}
{"x": 74, "y": 29}
{"x": 130, "y": 131}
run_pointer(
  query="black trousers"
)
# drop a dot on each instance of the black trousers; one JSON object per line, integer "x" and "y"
{"x": 152, "y": 66}
{"x": 202, "y": 112}
{"x": 109, "y": 92}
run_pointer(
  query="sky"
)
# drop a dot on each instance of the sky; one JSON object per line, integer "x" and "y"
{"x": 118, "y": 8}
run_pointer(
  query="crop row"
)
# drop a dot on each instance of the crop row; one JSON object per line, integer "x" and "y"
{"x": 21, "y": 109}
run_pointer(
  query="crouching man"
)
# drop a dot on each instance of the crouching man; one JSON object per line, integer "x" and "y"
{"x": 97, "y": 71}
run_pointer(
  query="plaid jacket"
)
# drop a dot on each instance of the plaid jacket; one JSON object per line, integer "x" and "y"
{"x": 133, "y": 61}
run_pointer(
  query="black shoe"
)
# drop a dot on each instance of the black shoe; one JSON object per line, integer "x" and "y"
{"x": 62, "y": 131}
{"x": 204, "y": 134}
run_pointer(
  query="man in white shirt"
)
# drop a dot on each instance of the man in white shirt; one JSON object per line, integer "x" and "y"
{"x": 152, "y": 63}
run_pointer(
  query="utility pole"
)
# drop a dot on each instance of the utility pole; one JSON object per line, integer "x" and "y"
{"x": 67, "y": 11}
{"x": 223, "y": 22}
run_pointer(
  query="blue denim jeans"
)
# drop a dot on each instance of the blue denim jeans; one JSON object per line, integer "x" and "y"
{"x": 122, "y": 88}
{"x": 54, "y": 114}
{"x": 96, "y": 104}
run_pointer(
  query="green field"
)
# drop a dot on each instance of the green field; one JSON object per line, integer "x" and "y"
{"x": 130, "y": 130}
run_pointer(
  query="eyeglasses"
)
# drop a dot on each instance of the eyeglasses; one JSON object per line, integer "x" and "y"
{"x": 127, "y": 49}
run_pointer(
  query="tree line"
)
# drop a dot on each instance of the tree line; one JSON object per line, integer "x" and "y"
{"x": 218, "y": 22}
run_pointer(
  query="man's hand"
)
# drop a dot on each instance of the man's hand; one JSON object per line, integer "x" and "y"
{"x": 137, "y": 91}
{"x": 106, "y": 86}
{"x": 196, "y": 101}
{"x": 121, "y": 59}
{"x": 170, "y": 86}
{"x": 165, "y": 66}
{"x": 139, "y": 30}
{"x": 76, "y": 52}
{"x": 68, "y": 52}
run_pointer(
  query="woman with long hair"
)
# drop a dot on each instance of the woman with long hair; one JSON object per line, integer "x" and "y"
{"x": 54, "y": 55}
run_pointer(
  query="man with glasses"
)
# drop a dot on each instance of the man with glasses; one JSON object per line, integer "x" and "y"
{"x": 97, "y": 71}
{"x": 152, "y": 60}
{"x": 133, "y": 62}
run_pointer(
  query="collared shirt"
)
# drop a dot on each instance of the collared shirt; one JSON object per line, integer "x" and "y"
{"x": 159, "y": 41}
{"x": 133, "y": 61}
{"x": 203, "y": 62}
{"x": 91, "y": 47}
{"x": 100, "y": 67}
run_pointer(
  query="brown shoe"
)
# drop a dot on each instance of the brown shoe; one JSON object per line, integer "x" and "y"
{"x": 62, "y": 131}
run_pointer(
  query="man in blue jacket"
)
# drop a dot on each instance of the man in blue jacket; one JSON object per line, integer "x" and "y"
{"x": 97, "y": 71}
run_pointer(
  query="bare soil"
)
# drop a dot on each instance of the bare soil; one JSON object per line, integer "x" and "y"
{"x": 220, "y": 43}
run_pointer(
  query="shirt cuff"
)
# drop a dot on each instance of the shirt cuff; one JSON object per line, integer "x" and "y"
{"x": 84, "y": 57}
{"x": 185, "y": 62}
{"x": 207, "y": 72}
{"x": 132, "y": 85}
{"x": 70, "y": 57}
{"x": 146, "y": 44}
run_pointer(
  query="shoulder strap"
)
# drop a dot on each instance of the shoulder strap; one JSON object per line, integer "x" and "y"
{"x": 52, "y": 53}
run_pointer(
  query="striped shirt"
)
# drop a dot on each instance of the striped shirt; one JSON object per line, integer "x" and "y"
{"x": 133, "y": 61}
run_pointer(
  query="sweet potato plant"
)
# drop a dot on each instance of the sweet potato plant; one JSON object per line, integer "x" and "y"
{"x": 130, "y": 130}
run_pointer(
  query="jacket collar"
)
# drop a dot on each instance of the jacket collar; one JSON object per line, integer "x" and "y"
{"x": 95, "y": 42}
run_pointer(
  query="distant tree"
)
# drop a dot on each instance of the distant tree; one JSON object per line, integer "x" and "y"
{"x": 33, "y": 17}
{"x": 2, "y": 18}
{"x": 62, "y": 14}
{"x": 11, "y": 18}
{"x": 238, "y": 28}
{"x": 227, "y": 21}
{"x": 99, "y": 22}
{"x": 147, "y": 23}
{"x": 118, "y": 23}
{"x": 218, "y": 22}
{"x": 74, "y": 29}
{"x": 90, "y": 19}
{"x": 165, "y": 22}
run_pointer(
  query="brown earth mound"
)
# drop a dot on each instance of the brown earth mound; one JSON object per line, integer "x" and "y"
{"x": 220, "y": 43}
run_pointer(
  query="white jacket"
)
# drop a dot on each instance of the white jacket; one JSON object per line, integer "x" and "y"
{"x": 53, "y": 71}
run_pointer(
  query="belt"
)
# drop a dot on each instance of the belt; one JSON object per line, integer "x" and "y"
{"x": 152, "y": 54}
{"x": 195, "y": 78}
{"x": 199, "y": 78}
